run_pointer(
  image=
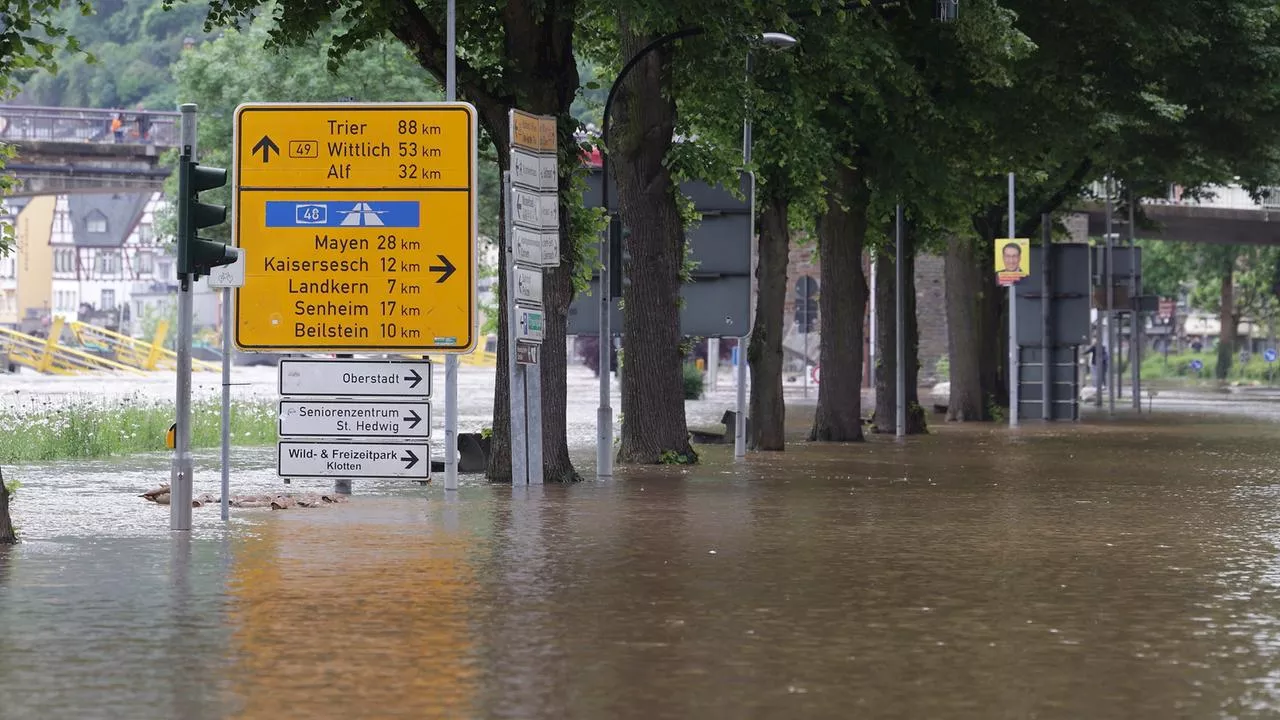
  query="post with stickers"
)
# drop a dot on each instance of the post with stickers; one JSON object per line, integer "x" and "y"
{"x": 533, "y": 242}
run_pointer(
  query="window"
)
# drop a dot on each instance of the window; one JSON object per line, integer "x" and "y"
{"x": 146, "y": 263}
{"x": 96, "y": 222}
{"x": 146, "y": 233}
{"x": 108, "y": 262}
{"x": 64, "y": 261}
{"x": 165, "y": 271}
{"x": 108, "y": 299}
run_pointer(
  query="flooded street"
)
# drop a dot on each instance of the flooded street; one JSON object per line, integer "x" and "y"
{"x": 1122, "y": 568}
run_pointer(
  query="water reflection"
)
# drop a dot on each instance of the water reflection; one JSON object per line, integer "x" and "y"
{"x": 1111, "y": 569}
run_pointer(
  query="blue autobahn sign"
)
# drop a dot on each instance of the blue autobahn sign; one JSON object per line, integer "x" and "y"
{"x": 1197, "y": 365}
{"x": 1269, "y": 355}
{"x": 396, "y": 214}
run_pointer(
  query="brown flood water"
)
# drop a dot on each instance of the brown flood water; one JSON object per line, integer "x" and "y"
{"x": 1124, "y": 570}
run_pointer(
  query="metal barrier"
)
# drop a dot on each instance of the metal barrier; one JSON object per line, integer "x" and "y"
{"x": 133, "y": 352}
{"x": 46, "y": 355}
{"x": 88, "y": 125}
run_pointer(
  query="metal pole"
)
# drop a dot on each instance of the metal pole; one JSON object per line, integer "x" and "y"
{"x": 451, "y": 361}
{"x": 226, "y": 405}
{"x": 1046, "y": 306}
{"x": 1135, "y": 317}
{"x": 713, "y": 362}
{"x": 872, "y": 348}
{"x": 1013, "y": 323}
{"x": 1109, "y": 279}
{"x": 604, "y": 414}
{"x": 180, "y": 476}
{"x": 740, "y": 419}
{"x": 900, "y": 322}
{"x": 515, "y": 372}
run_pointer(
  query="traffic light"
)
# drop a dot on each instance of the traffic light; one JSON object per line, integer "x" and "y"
{"x": 197, "y": 255}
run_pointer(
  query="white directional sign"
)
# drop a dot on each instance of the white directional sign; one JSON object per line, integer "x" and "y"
{"x": 328, "y": 458}
{"x": 355, "y": 418}
{"x": 529, "y": 286}
{"x": 355, "y": 378}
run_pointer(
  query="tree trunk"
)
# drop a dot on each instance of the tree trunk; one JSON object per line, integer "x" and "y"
{"x": 768, "y": 410}
{"x": 653, "y": 424}
{"x": 887, "y": 338}
{"x": 7, "y": 534}
{"x": 964, "y": 330}
{"x": 842, "y": 306}
{"x": 1227, "y": 322}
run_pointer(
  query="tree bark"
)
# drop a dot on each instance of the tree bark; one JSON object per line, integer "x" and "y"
{"x": 653, "y": 426}
{"x": 768, "y": 410}
{"x": 887, "y": 338}
{"x": 964, "y": 331}
{"x": 1227, "y": 323}
{"x": 842, "y": 306}
{"x": 7, "y": 534}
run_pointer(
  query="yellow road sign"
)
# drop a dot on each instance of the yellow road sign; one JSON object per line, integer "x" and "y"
{"x": 358, "y": 223}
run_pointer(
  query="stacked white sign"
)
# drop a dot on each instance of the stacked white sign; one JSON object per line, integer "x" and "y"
{"x": 355, "y": 419}
{"x": 533, "y": 231}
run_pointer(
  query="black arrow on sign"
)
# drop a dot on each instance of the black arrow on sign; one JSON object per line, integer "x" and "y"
{"x": 414, "y": 378}
{"x": 414, "y": 418}
{"x": 447, "y": 268}
{"x": 412, "y": 459}
{"x": 266, "y": 146}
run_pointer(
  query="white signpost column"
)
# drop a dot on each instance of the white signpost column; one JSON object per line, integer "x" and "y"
{"x": 533, "y": 242}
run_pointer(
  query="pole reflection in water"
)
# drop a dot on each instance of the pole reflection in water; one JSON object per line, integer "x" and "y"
{"x": 344, "y": 614}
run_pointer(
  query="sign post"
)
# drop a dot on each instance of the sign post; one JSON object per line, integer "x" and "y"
{"x": 533, "y": 243}
{"x": 227, "y": 277}
{"x": 358, "y": 225}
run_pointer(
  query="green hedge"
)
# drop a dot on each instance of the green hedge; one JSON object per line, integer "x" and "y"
{"x": 1178, "y": 365}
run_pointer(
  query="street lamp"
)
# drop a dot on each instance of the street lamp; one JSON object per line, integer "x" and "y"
{"x": 776, "y": 41}
{"x": 604, "y": 416}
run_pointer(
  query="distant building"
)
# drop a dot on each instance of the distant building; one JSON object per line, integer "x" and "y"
{"x": 96, "y": 258}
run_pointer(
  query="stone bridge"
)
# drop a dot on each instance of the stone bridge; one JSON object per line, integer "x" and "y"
{"x": 73, "y": 150}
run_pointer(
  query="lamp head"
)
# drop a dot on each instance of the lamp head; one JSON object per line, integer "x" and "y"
{"x": 777, "y": 40}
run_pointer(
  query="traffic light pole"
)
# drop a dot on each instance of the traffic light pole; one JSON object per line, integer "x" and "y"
{"x": 180, "y": 474}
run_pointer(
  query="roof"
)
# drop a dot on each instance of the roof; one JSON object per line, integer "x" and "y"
{"x": 121, "y": 212}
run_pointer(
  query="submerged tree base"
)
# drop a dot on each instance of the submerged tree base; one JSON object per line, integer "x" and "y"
{"x": 7, "y": 534}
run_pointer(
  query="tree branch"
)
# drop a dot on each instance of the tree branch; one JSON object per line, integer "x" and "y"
{"x": 427, "y": 44}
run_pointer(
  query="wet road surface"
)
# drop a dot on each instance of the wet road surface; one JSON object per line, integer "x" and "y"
{"x": 1110, "y": 569}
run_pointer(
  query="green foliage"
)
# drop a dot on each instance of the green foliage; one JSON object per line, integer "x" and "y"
{"x": 486, "y": 432}
{"x": 943, "y": 368}
{"x": 996, "y": 411}
{"x": 121, "y": 56}
{"x": 12, "y": 486}
{"x": 671, "y": 457}
{"x": 1178, "y": 366}
{"x": 693, "y": 382}
{"x": 110, "y": 428}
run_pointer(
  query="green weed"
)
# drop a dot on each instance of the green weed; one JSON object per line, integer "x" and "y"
{"x": 88, "y": 429}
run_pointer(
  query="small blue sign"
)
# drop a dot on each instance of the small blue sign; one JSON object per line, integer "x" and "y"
{"x": 397, "y": 213}
{"x": 1269, "y": 355}
{"x": 1197, "y": 365}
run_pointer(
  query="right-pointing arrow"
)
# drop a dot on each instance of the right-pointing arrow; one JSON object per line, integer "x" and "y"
{"x": 413, "y": 419}
{"x": 414, "y": 378}
{"x": 447, "y": 268}
{"x": 411, "y": 459}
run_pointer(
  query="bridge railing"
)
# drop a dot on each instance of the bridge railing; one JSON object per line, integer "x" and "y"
{"x": 89, "y": 125}
{"x": 1231, "y": 197}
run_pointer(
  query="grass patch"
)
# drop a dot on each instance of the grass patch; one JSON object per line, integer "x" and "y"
{"x": 89, "y": 429}
{"x": 1178, "y": 366}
